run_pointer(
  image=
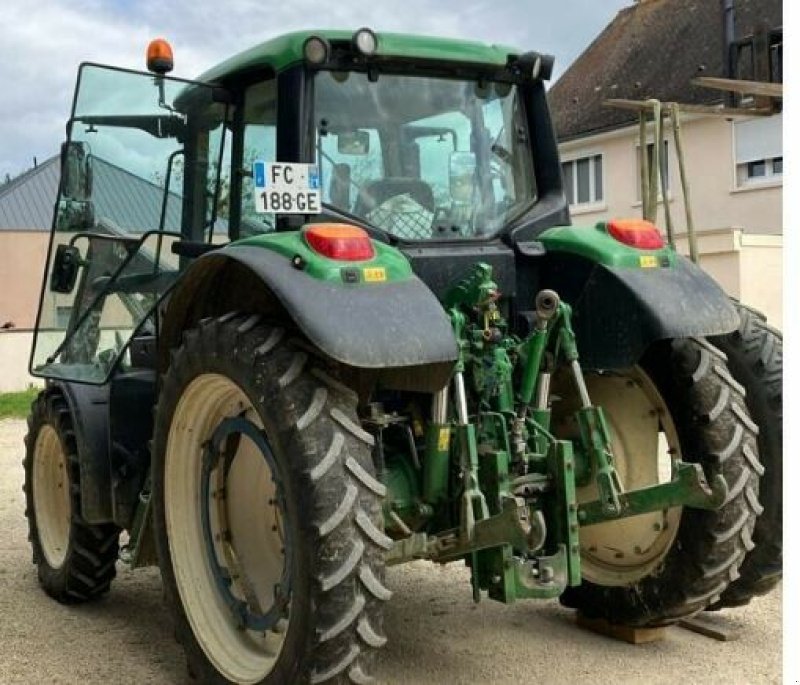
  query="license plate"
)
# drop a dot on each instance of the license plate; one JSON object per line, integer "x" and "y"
{"x": 286, "y": 188}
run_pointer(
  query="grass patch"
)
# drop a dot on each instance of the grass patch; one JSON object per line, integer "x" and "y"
{"x": 17, "y": 405}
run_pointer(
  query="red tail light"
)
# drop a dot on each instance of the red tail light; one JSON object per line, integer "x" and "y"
{"x": 340, "y": 241}
{"x": 637, "y": 233}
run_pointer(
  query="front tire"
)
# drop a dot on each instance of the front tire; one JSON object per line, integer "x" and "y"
{"x": 321, "y": 520}
{"x": 701, "y": 415}
{"x": 75, "y": 561}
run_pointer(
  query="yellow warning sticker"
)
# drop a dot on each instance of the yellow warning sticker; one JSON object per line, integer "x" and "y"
{"x": 444, "y": 440}
{"x": 375, "y": 274}
{"x": 648, "y": 261}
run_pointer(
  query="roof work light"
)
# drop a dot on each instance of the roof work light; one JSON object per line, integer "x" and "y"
{"x": 365, "y": 41}
{"x": 316, "y": 50}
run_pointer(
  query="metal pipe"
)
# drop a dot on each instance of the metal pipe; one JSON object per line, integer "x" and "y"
{"x": 643, "y": 162}
{"x": 439, "y": 407}
{"x": 663, "y": 172}
{"x": 404, "y": 529}
{"x": 581, "y": 384}
{"x": 729, "y": 35}
{"x": 543, "y": 391}
{"x": 461, "y": 399}
{"x": 687, "y": 200}
{"x": 728, "y": 38}
{"x": 652, "y": 193}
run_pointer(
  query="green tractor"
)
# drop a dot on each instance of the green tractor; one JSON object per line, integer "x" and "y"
{"x": 322, "y": 311}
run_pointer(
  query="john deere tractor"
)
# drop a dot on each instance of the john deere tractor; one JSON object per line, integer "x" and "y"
{"x": 322, "y": 311}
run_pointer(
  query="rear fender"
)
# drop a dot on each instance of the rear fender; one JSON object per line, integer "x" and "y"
{"x": 395, "y": 329}
{"x": 626, "y": 299}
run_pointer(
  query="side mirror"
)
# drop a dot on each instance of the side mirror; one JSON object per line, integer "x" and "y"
{"x": 462, "y": 176}
{"x": 65, "y": 269}
{"x": 353, "y": 142}
{"x": 76, "y": 171}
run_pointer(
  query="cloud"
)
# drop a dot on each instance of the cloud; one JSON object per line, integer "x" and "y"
{"x": 43, "y": 41}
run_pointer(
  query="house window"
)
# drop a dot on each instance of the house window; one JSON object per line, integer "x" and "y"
{"x": 759, "y": 170}
{"x": 663, "y": 162}
{"x": 759, "y": 151}
{"x": 583, "y": 180}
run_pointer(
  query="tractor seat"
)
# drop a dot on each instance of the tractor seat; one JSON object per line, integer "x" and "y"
{"x": 373, "y": 194}
{"x": 373, "y": 203}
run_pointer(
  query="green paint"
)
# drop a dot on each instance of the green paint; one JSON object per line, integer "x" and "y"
{"x": 483, "y": 339}
{"x": 292, "y": 244}
{"x": 565, "y": 510}
{"x": 508, "y": 506}
{"x": 402, "y": 484}
{"x": 476, "y": 290}
{"x": 494, "y": 479}
{"x": 596, "y": 443}
{"x": 688, "y": 488}
{"x": 566, "y": 344}
{"x": 285, "y": 50}
{"x": 595, "y": 244}
{"x": 532, "y": 351}
{"x": 436, "y": 466}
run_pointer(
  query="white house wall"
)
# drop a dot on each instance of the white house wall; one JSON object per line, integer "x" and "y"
{"x": 739, "y": 229}
{"x": 709, "y": 155}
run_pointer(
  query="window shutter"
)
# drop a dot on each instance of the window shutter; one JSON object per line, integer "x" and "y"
{"x": 758, "y": 139}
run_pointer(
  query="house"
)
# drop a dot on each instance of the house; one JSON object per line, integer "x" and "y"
{"x": 27, "y": 204}
{"x": 734, "y": 163}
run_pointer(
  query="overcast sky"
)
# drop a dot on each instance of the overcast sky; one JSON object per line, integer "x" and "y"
{"x": 43, "y": 41}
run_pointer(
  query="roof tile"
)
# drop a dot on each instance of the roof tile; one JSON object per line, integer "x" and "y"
{"x": 651, "y": 49}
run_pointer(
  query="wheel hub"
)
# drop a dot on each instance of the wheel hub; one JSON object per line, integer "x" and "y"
{"x": 218, "y": 456}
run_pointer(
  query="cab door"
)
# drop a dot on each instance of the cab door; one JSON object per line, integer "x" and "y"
{"x": 142, "y": 168}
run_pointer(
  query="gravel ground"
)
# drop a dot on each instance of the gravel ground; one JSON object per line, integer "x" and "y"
{"x": 436, "y": 634}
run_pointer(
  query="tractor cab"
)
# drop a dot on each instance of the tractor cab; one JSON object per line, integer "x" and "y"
{"x": 428, "y": 154}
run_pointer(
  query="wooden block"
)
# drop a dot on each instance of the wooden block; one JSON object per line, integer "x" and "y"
{"x": 708, "y": 626}
{"x": 629, "y": 634}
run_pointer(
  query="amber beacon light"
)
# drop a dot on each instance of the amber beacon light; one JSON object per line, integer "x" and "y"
{"x": 159, "y": 57}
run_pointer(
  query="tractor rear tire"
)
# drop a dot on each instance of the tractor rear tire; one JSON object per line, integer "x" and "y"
{"x": 755, "y": 359}
{"x": 76, "y": 561}
{"x": 324, "y": 503}
{"x": 708, "y": 416}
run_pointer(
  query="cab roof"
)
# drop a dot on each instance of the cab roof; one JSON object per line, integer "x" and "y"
{"x": 282, "y": 51}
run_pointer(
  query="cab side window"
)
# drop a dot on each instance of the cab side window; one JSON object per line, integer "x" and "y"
{"x": 260, "y": 125}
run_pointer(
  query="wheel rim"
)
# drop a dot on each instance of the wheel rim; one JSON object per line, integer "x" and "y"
{"x": 51, "y": 496}
{"x": 245, "y": 524}
{"x": 645, "y": 444}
